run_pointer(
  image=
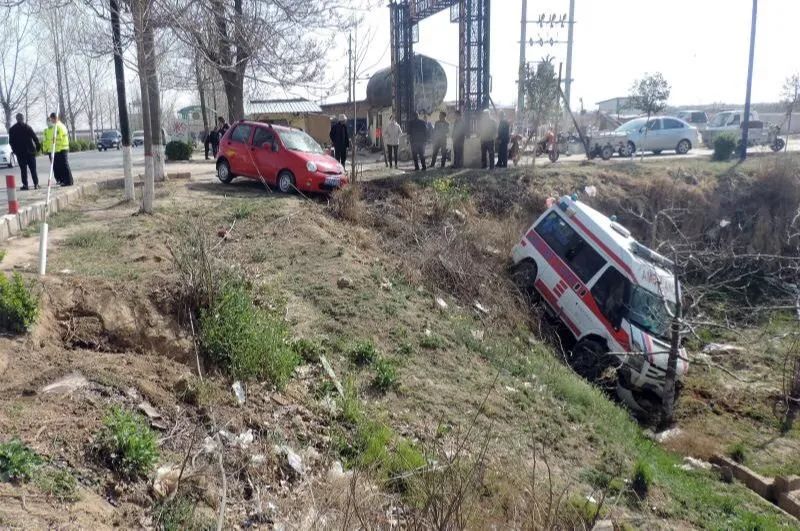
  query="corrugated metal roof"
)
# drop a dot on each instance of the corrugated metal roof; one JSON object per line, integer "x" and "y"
{"x": 296, "y": 105}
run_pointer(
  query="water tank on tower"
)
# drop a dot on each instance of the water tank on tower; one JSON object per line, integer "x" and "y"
{"x": 430, "y": 85}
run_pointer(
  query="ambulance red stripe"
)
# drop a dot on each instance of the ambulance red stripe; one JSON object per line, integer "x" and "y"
{"x": 553, "y": 302}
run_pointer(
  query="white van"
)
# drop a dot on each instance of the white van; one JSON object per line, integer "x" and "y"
{"x": 615, "y": 295}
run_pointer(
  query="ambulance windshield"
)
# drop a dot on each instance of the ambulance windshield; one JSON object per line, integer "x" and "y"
{"x": 650, "y": 312}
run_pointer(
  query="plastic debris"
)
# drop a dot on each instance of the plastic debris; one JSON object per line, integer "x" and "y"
{"x": 66, "y": 385}
{"x": 332, "y": 375}
{"x": 150, "y": 411}
{"x": 238, "y": 390}
{"x": 440, "y": 303}
{"x": 724, "y": 223}
{"x": 166, "y": 480}
{"x": 590, "y": 190}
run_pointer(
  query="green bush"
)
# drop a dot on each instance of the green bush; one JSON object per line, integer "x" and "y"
{"x": 58, "y": 483}
{"x": 17, "y": 461}
{"x": 18, "y": 305}
{"x": 179, "y": 514}
{"x": 724, "y": 146}
{"x": 738, "y": 452}
{"x": 244, "y": 340}
{"x": 363, "y": 353}
{"x": 642, "y": 478}
{"x": 385, "y": 375}
{"x": 177, "y": 150}
{"x": 127, "y": 444}
{"x": 308, "y": 349}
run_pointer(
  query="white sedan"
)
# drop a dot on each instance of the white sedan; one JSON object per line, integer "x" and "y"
{"x": 660, "y": 133}
{"x": 6, "y": 157}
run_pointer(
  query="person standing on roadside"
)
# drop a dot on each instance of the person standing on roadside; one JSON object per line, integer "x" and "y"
{"x": 488, "y": 128}
{"x": 391, "y": 137}
{"x": 222, "y": 127}
{"x": 340, "y": 138}
{"x": 503, "y": 138}
{"x": 56, "y": 135}
{"x": 213, "y": 139}
{"x": 418, "y": 136}
{"x": 441, "y": 130}
{"x": 25, "y": 145}
{"x": 459, "y": 134}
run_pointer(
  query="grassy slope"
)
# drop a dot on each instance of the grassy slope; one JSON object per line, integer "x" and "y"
{"x": 299, "y": 250}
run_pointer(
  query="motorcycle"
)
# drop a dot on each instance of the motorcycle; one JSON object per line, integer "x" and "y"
{"x": 548, "y": 145}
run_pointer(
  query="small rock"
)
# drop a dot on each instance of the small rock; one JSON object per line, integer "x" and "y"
{"x": 65, "y": 272}
{"x": 238, "y": 391}
{"x": 441, "y": 304}
{"x": 428, "y": 332}
{"x": 294, "y": 461}
{"x": 150, "y": 411}
{"x": 477, "y": 335}
{"x": 280, "y": 400}
{"x": 66, "y": 385}
{"x": 460, "y": 215}
{"x": 667, "y": 434}
{"x": 510, "y": 389}
{"x": 691, "y": 463}
{"x": 386, "y": 285}
{"x": 603, "y": 525}
{"x": 258, "y": 459}
{"x": 337, "y": 473}
{"x": 344, "y": 283}
{"x": 721, "y": 348}
{"x": 494, "y": 251}
{"x": 222, "y": 233}
{"x": 480, "y": 307}
{"x": 211, "y": 445}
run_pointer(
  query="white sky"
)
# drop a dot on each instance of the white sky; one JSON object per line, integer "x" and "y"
{"x": 701, "y": 47}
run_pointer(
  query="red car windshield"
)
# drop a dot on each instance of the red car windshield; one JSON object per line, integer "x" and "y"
{"x": 299, "y": 141}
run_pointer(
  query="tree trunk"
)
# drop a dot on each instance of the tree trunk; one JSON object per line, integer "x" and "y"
{"x": 234, "y": 93}
{"x": 668, "y": 398}
{"x": 122, "y": 101}
{"x": 794, "y": 397}
{"x": 154, "y": 96}
{"x": 201, "y": 91}
{"x": 7, "y": 114}
{"x": 149, "y": 187}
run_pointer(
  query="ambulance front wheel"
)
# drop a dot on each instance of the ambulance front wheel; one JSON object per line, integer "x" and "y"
{"x": 524, "y": 274}
{"x": 590, "y": 359}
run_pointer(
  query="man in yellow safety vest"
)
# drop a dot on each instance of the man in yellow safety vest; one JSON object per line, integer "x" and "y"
{"x": 56, "y": 133}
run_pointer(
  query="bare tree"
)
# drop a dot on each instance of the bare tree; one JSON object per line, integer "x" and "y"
{"x": 230, "y": 36}
{"x": 650, "y": 94}
{"x": 17, "y": 78}
{"x": 92, "y": 73}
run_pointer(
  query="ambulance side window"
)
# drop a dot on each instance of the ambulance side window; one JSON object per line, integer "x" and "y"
{"x": 609, "y": 292}
{"x": 570, "y": 246}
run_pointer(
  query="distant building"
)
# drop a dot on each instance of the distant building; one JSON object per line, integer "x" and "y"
{"x": 294, "y": 112}
{"x": 618, "y": 107}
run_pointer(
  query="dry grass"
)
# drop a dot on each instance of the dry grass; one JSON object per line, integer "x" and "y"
{"x": 346, "y": 204}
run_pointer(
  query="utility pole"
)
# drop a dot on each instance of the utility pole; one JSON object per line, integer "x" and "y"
{"x": 119, "y": 73}
{"x": 349, "y": 68}
{"x": 522, "y": 60}
{"x": 746, "y": 124}
{"x": 568, "y": 81}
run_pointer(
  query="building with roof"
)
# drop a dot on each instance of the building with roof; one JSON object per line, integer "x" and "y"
{"x": 293, "y": 112}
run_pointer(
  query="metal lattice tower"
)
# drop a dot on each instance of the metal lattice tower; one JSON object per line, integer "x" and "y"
{"x": 473, "y": 64}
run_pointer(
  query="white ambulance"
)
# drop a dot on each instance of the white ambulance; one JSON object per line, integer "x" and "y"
{"x": 615, "y": 295}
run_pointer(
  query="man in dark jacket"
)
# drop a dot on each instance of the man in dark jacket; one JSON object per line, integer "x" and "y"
{"x": 418, "y": 136}
{"x": 503, "y": 138}
{"x": 441, "y": 130}
{"x": 488, "y": 132}
{"x": 25, "y": 144}
{"x": 340, "y": 138}
{"x": 459, "y": 134}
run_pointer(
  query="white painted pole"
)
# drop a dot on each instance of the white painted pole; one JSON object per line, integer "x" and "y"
{"x": 126, "y": 163}
{"x": 44, "y": 232}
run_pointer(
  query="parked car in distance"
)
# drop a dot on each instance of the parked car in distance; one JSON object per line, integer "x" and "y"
{"x": 659, "y": 133}
{"x": 279, "y": 156}
{"x": 726, "y": 122}
{"x": 138, "y": 138}
{"x": 109, "y": 139}
{"x": 699, "y": 119}
{"x": 615, "y": 296}
{"x": 6, "y": 156}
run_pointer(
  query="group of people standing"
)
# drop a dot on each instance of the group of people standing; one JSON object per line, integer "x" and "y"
{"x": 25, "y": 146}
{"x": 420, "y": 132}
{"x": 213, "y": 137}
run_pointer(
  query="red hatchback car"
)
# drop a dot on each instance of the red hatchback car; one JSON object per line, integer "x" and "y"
{"x": 282, "y": 156}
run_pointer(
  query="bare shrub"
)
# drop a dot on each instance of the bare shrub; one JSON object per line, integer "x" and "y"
{"x": 346, "y": 204}
{"x": 191, "y": 251}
